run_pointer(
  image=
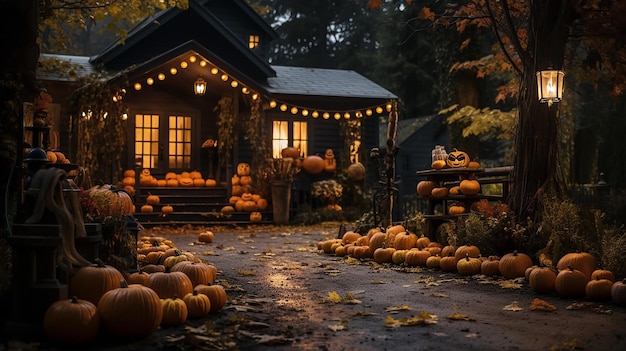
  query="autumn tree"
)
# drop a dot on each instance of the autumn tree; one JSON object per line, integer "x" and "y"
{"x": 531, "y": 36}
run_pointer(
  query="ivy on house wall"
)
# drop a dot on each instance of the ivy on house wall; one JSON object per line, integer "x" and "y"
{"x": 100, "y": 129}
{"x": 227, "y": 118}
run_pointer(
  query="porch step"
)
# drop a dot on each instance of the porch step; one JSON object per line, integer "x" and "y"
{"x": 154, "y": 219}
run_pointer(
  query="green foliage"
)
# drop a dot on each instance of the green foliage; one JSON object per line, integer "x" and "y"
{"x": 227, "y": 122}
{"x": 483, "y": 122}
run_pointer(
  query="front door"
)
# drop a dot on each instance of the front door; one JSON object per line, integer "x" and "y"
{"x": 164, "y": 141}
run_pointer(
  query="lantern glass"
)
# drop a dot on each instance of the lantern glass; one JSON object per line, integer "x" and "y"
{"x": 199, "y": 87}
{"x": 550, "y": 86}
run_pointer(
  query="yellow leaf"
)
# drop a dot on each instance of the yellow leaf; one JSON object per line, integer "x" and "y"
{"x": 398, "y": 308}
{"x": 426, "y": 14}
{"x": 334, "y": 297}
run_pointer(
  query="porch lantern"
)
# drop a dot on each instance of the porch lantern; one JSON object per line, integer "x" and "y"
{"x": 550, "y": 86}
{"x": 199, "y": 87}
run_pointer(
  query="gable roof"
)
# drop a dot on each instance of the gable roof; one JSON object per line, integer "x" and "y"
{"x": 212, "y": 32}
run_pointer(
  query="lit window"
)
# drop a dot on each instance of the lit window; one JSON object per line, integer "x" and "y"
{"x": 147, "y": 140}
{"x": 179, "y": 155}
{"x": 355, "y": 142}
{"x": 253, "y": 43}
{"x": 282, "y": 138}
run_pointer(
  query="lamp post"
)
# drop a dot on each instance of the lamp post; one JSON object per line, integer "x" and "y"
{"x": 199, "y": 86}
{"x": 550, "y": 86}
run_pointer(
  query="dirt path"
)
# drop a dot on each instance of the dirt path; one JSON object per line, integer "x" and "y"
{"x": 281, "y": 290}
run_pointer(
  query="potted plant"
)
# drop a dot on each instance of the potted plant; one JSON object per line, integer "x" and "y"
{"x": 281, "y": 172}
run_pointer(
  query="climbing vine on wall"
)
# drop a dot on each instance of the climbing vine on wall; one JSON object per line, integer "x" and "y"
{"x": 100, "y": 128}
{"x": 226, "y": 129}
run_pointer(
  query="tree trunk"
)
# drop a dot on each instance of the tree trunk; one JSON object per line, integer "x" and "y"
{"x": 18, "y": 64}
{"x": 536, "y": 159}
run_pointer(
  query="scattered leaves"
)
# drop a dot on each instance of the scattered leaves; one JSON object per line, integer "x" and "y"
{"x": 246, "y": 273}
{"x": 341, "y": 325}
{"x": 398, "y": 308}
{"x": 566, "y": 345}
{"x": 592, "y": 306}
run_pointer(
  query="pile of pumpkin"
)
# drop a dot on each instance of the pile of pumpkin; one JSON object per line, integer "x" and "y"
{"x": 243, "y": 198}
{"x": 176, "y": 287}
{"x": 575, "y": 275}
{"x": 151, "y": 202}
{"x": 430, "y": 188}
{"x": 171, "y": 179}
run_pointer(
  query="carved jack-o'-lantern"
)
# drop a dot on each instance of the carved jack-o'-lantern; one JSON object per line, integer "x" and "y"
{"x": 458, "y": 158}
{"x": 243, "y": 169}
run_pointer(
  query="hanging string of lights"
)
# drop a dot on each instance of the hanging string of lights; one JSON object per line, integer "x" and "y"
{"x": 283, "y": 106}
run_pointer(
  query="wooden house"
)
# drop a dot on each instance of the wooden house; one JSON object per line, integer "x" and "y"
{"x": 177, "y": 69}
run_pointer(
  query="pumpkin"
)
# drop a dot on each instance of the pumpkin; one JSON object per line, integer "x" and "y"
{"x": 571, "y": 282}
{"x": 514, "y": 265}
{"x": 290, "y": 152}
{"x": 456, "y": 210}
{"x": 378, "y": 240}
{"x": 153, "y": 199}
{"x": 52, "y": 157}
{"x": 416, "y": 257}
{"x": 167, "y": 209}
{"x": 349, "y": 237}
{"x": 466, "y": 250}
{"x": 491, "y": 266}
{"x": 243, "y": 169}
{"x": 198, "y": 182}
{"x": 469, "y": 186}
{"x": 439, "y": 192}
{"x": 448, "y": 263}
{"x": 399, "y": 256}
{"x": 361, "y": 251}
{"x": 404, "y": 241}
{"x": 145, "y": 172}
{"x": 128, "y": 181}
{"x": 132, "y": 312}
{"x": 581, "y": 261}
{"x": 341, "y": 250}
{"x": 448, "y": 250}
{"x": 261, "y": 204}
{"x": 153, "y": 268}
{"x": 256, "y": 216}
{"x": 473, "y": 164}
{"x": 198, "y": 305}
{"x": 173, "y": 182}
{"x": 206, "y": 237}
{"x": 71, "y": 321}
{"x": 250, "y": 206}
{"x": 147, "y": 208}
{"x": 603, "y": 274}
{"x": 383, "y": 254}
{"x": 169, "y": 284}
{"x": 455, "y": 190}
{"x": 356, "y": 171}
{"x": 227, "y": 210}
{"x": 195, "y": 175}
{"x": 215, "y": 293}
{"x": 170, "y": 261}
{"x": 542, "y": 279}
{"x": 422, "y": 242}
{"x": 469, "y": 266}
{"x": 91, "y": 282}
{"x": 433, "y": 262}
{"x": 174, "y": 312}
{"x": 425, "y": 187}
{"x": 161, "y": 183}
{"x": 598, "y": 289}
{"x": 185, "y": 182}
{"x": 438, "y": 164}
{"x": 457, "y": 159}
{"x": 210, "y": 183}
{"x": 129, "y": 173}
{"x": 198, "y": 273}
{"x": 138, "y": 277}
{"x": 618, "y": 292}
{"x": 313, "y": 164}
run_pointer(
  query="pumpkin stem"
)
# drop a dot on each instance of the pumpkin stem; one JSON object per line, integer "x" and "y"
{"x": 99, "y": 262}
{"x": 74, "y": 299}
{"x": 123, "y": 283}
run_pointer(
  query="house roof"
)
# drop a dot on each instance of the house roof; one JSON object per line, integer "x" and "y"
{"x": 324, "y": 82}
{"x": 81, "y": 65}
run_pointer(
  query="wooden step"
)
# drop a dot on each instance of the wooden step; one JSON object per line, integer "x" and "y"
{"x": 198, "y": 218}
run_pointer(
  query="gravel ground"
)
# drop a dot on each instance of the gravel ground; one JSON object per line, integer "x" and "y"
{"x": 286, "y": 295}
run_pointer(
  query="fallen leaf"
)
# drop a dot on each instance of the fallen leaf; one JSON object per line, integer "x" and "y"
{"x": 472, "y": 335}
{"x": 398, "y": 308}
{"x": 541, "y": 305}
{"x": 456, "y": 316}
{"x": 333, "y": 296}
{"x": 362, "y": 313}
{"x": 246, "y": 273}
{"x": 424, "y": 318}
{"x": 512, "y": 307}
{"x": 438, "y": 294}
{"x": 592, "y": 306}
{"x": 341, "y": 325}
{"x": 377, "y": 281}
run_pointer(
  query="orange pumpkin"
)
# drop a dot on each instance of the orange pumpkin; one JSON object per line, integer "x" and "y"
{"x": 145, "y": 172}
{"x": 161, "y": 183}
{"x": 128, "y": 181}
{"x": 153, "y": 199}
{"x": 290, "y": 152}
{"x": 256, "y": 216}
{"x": 195, "y": 175}
{"x": 185, "y": 181}
{"x": 469, "y": 186}
{"x": 147, "y": 208}
{"x": 243, "y": 169}
{"x": 172, "y": 182}
{"x": 438, "y": 164}
{"x": 210, "y": 183}
{"x": 313, "y": 164}
{"x": 440, "y": 192}
{"x": 167, "y": 209}
{"x": 356, "y": 171}
{"x": 130, "y": 173}
{"x": 71, "y": 321}
{"x": 215, "y": 293}
{"x": 199, "y": 182}
{"x": 425, "y": 187}
{"x": 171, "y": 175}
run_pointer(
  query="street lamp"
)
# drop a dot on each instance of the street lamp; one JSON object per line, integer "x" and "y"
{"x": 550, "y": 86}
{"x": 199, "y": 87}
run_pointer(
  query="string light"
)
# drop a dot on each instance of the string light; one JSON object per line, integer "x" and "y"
{"x": 283, "y": 106}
